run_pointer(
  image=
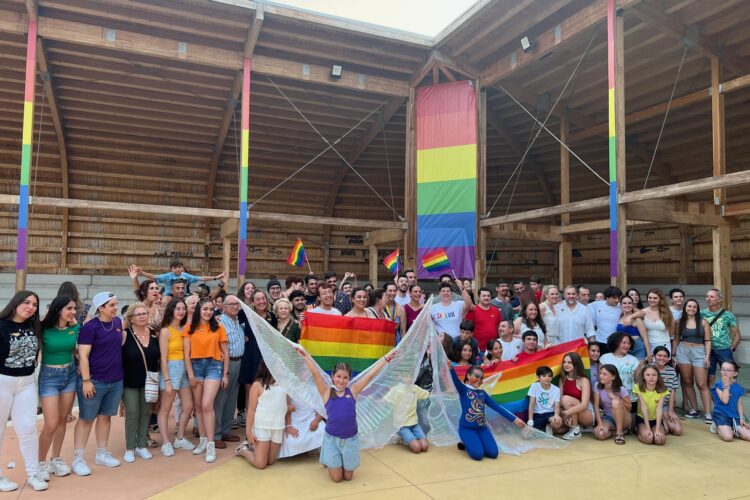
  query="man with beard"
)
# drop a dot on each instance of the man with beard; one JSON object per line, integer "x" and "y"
{"x": 503, "y": 300}
{"x": 573, "y": 320}
{"x": 341, "y": 301}
{"x": 299, "y": 304}
{"x": 402, "y": 285}
{"x": 311, "y": 294}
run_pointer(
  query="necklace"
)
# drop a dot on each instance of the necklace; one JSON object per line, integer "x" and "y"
{"x": 140, "y": 336}
{"x": 111, "y": 325}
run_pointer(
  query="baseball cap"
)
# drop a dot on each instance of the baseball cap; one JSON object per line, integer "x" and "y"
{"x": 102, "y": 298}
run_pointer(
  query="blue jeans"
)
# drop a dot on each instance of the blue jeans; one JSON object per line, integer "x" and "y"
{"x": 106, "y": 400}
{"x": 411, "y": 432}
{"x": 718, "y": 356}
{"x": 54, "y": 381}
{"x": 207, "y": 369}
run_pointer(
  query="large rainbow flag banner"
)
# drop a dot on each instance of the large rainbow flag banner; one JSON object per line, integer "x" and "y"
{"x": 358, "y": 341}
{"x": 512, "y": 389}
{"x": 447, "y": 175}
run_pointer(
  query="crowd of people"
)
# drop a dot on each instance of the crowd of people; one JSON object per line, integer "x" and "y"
{"x": 195, "y": 355}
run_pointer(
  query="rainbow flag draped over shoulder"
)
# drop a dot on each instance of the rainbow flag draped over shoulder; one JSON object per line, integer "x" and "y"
{"x": 446, "y": 120}
{"x": 391, "y": 260}
{"x": 512, "y": 389}
{"x": 297, "y": 257}
{"x": 358, "y": 341}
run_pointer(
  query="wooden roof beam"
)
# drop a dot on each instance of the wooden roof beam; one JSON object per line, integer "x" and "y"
{"x": 138, "y": 43}
{"x": 705, "y": 45}
{"x": 567, "y": 30}
{"x": 214, "y": 213}
{"x": 678, "y": 212}
{"x": 252, "y": 40}
{"x": 527, "y": 232}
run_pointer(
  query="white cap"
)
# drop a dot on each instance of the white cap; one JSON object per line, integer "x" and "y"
{"x": 100, "y": 299}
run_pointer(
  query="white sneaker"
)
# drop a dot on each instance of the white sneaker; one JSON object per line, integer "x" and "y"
{"x": 712, "y": 429}
{"x": 573, "y": 433}
{"x": 167, "y": 450}
{"x": 6, "y": 484}
{"x": 106, "y": 459}
{"x": 210, "y": 453}
{"x": 58, "y": 467}
{"x": 144, "y": 453}
{"x": 183, "y": 444}
{"x": 201, "y": 448}
{"x": 43, "y": 471}
{"x": 80, "y": 467}
{"x": 129, "y": 456}
{"x": 36, "y": 482}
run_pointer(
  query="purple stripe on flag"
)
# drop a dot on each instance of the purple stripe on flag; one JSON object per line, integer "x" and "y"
{"x": 613, "y": 254}
{"x": 21, "y": 251}
{"x": 461, "y": 260}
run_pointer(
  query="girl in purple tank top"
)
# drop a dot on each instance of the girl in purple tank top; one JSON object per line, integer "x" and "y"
{"x": 340, "y": 450}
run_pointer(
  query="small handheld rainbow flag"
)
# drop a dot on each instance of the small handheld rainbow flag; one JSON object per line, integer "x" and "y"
{"x": 298, "y": 256}
{"x": 436, "y": 260}
{"x": 391, "y": 261}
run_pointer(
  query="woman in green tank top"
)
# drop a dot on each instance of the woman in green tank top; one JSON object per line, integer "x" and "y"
{"x": 57, "y": 381}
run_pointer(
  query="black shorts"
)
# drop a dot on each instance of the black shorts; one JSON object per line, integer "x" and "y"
{"x": 639, "y": 420}
{"x": 542, "y": 419}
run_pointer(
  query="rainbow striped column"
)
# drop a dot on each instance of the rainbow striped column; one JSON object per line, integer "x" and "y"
{"x": 242, "y": 233}
{"x": 28, "y": 125}
{"x": 447, "y": 175}
{"x": 612, "y": 140}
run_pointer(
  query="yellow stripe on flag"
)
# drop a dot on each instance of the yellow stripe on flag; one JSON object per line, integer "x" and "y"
{"x": 447, "y": 164}
{"x": 344, "y": 349}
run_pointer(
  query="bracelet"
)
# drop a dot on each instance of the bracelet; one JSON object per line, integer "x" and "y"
{"x": 86, "y": 380}
{"x": 167, "y": 380}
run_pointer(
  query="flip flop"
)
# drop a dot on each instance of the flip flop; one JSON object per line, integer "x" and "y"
{"x": 244, "y": 446}
{"x": 619, "y": 439}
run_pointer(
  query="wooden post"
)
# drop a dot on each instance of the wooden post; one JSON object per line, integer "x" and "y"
{"x": 480, "y": 261}
{"x": 226, "y": 257}
{"x": 26, "y": 144}
{"x": 564, "y": 248}
{"x": 410, "y": 188}
{"x": 374, "y": 265}
{"x": 722, "y": 245}
{"x": 617, "y": 178}
{"x": 244, "y": 177}
{"x": 685, "y": 253}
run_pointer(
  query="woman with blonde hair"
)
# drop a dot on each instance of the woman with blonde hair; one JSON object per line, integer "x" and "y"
{"x": 285, "y": 323}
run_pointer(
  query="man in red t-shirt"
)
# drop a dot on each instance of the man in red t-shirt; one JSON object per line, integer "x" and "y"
{"x": 536, "y": 287}
{"x": 486, "y": 318}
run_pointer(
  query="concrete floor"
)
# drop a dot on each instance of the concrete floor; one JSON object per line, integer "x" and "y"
{"x": 696, "y": 465}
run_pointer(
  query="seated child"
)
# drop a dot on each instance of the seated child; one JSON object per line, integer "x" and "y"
{"x": 544, "y": 401}
{"x": 728, "y": 411}
{"x": 405, "y": 398}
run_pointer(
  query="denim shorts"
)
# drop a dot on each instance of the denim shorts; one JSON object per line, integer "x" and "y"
{"x": 411, "y": 432}
{"x": 692, "y": 354}
{"x": 106, "y": 400}
{"x": 55, "y": 381}
{"x": 177, "y": 373}
{"x": 721, "y": 419}
{"x": 339, "y": 453}
{"x": 718, "y": 356}
{"x": 610, "y": 419}
{"x": 207, "y": 369}
{"x": 638, "y": 349}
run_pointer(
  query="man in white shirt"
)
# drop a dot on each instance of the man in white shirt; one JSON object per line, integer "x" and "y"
{"x": 572, "y": 317}
{"x": 605, "y": 314}
{"x": 402, "y": 284}
{"x": 584, "y": 295}
{"x": 447, "y": 314}
{"x": 325, "y": 296}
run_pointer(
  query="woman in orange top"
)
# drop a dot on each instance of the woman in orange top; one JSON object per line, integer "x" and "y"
{"x": 207, "y": 365}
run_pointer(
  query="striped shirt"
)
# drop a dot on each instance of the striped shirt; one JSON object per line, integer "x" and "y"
{"x": 671, "y": 380}
{"x": 235, "y": 336}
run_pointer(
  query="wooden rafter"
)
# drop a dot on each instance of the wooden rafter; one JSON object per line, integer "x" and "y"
{"x": 252, "y": 40}
{"x": 706, "y": 45}
{"x": 570, "y": 28}
{"x": 139, "y": 43}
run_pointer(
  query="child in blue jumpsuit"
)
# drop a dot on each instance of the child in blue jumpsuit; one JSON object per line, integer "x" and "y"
{"x": 474, "y": 433}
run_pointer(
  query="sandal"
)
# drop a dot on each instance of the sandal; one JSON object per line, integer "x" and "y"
{"x": 244, "y": 446}
{"x": 619, "y": 439}
{"x": 152, "y": 444}
{"x": 70, "y": 418}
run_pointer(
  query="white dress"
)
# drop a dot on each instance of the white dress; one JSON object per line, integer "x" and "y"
{"x": 307, "y": 440}
{"x": 550, "y": 322}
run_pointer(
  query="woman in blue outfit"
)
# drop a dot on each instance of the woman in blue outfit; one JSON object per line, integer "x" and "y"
{"x": 472, "y": 429}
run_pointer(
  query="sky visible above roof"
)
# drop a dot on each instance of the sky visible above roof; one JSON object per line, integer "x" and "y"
{"x": 425, "y": 17}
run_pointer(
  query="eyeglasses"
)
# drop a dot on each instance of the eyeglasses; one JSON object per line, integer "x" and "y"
{"x": 140, "y": 315}
{"x": 725, "y": 370}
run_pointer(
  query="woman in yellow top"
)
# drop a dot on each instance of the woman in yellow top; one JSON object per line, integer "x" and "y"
{"x": 651, "y": 391}
{"x": 207, "y": 365}
{"x": 173, "y": 378}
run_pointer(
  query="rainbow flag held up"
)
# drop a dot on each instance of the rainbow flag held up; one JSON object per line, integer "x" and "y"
{"x": 358, "y": 341}
{"x": 391, "y": 261}
{"x": 436, "y": 260}
{"x": 297, "y": 257}
{"x": 512, "y": 389}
